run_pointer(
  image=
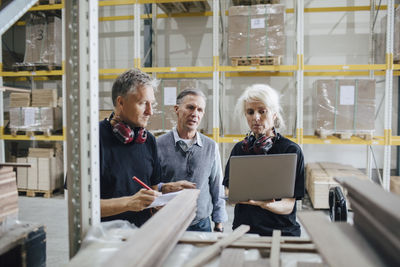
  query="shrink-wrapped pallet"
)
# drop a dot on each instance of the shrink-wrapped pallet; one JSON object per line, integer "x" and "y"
{"x": 35, "y": 119}
{"x": 256, "y": 31}
{"x": 344, "y": 106}
{"x": 380, "y": 41}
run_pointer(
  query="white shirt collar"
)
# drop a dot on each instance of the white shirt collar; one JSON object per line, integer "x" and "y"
{"x": 177, "y": 138}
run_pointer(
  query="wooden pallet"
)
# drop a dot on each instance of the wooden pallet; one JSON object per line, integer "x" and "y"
{"x": 323, "y": 134}
{"x": 184, "y": 7}
{"x": 254, "y": 2}
{"x": 45, "y": 132}
{"x": 256, "y": 61}
{"x": 37, "y": 193}
{"x": 35, "y": 66}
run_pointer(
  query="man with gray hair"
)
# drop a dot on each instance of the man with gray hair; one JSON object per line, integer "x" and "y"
{"x": 128, "y": 150}
{"x": 189, "y": 156}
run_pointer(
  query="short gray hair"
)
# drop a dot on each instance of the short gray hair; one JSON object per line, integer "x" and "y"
{"x": 267, "y": 95}
{"x": 129, "y": 82}
{"x": 186, "y": 92}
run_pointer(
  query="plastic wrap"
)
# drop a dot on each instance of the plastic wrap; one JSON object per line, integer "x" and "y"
{"x": 164, "y": 117}
{"x": 256, "y": 31}
{"x": 35, "y": 119}
{"x": 380, "y": 43}
{"x": 43, "y": 40}
{"x": 344, "y": 106}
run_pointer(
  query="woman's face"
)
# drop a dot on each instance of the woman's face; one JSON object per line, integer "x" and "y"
{"x": 259, "y": 118}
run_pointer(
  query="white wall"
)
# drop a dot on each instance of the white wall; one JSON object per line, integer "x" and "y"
{"x": 330, "y": 38}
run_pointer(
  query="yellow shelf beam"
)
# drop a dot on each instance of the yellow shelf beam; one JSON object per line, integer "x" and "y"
{"x": 258, "y": 68}
{"x": 178, "y": 69}
{"x": 32, "y": 138}
{"x": 346, "y": 67}
{"x": 332, "y": 140}
{"x": 47, "y": 7}
{"x": 31, "y": 73}
{"x": 117, "y": 2}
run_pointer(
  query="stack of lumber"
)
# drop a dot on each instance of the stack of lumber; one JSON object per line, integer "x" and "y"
{"x": 44, "y": 174}
{"x": 376, "y": 216}
{"x": 44, "y": 98}
{"x": 319, "y": 179}
{"x": 8, "y": 194}
{"x": 20, "y": 100}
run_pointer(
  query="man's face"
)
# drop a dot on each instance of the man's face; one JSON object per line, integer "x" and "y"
{"x": 190, "y": 112}
{"x": 136, "y": 108}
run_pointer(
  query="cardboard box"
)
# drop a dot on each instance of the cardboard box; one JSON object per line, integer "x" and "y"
{"x": 44, "y": 98}
{"x": 256, "y": 31}
{"x": 345, "y": 106}
{"x": 32, "y": 173}
{"x": 22, "y": 174}
{"x": 395, "y": 184}
{"x": 35, "y": 119}
{"x": 320, "y": 178}
{"x": 20, "y": 100}
{"x": 380, "y": 44}
{"x": 43, "y": 40}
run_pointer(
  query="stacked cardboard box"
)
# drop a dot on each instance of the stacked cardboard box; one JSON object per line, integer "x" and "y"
{"x": 35, "y": 119}
{"x": 45, "y": 172}
{"x": 43, "y": 40}
{"x": 256, "y": 31}
{"x": 319, "y": 179}
{"x": 184, "y": 7}
{"x": 164, "y": 117}
{"x": 8, "y": 194}
{"x": 380, "y": 40}
{"x": 20, "y": 100}
{"x": 44, "y": 98}
{"x": 345, "y": 106}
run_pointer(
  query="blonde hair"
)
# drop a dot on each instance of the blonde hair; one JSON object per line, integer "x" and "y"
{"x": 267, "y": 95}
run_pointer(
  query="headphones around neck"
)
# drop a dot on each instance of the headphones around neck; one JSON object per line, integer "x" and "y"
{"x": 125, "y": 133}
{"x": 259, "y": 145}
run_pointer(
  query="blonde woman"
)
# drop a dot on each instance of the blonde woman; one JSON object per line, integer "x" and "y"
{"x": 260, "y": 106}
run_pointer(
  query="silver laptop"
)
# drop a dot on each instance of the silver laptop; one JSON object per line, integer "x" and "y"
{"x": 262, "y": 177}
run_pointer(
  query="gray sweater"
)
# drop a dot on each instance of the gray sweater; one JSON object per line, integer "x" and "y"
{"x": 201, "y": 164}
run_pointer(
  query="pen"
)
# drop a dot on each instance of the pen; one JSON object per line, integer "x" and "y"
{"x": 141, "y": 183}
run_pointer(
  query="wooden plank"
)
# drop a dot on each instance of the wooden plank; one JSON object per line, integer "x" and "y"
{"x": 275, "y": 249}
{"x": 151, "y": 244}
{"x": 382, "y": 238}
{"x": 212, "y": 251}
{"x": 385, "y": 207}
{"x": 339, "y": 244}
{"x": 232, "y": 257}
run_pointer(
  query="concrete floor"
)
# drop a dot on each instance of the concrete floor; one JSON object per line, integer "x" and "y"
{"x": 53, "y": 213}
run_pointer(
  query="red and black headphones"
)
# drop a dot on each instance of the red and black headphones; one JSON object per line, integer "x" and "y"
{"x": 125, "y": 133}
{"x": 259, "y": 145}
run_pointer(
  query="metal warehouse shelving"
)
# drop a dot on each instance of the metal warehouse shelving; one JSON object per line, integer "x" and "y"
{"x": 41, "y": 75}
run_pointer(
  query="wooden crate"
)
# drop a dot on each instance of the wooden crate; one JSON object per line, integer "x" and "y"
{"x": 44, "y": 98}
{"x": 20, "y": 100}
{"x": 395, "y": 184}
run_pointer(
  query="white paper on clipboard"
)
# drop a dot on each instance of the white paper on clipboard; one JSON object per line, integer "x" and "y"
{"x": 163, "y": 199}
